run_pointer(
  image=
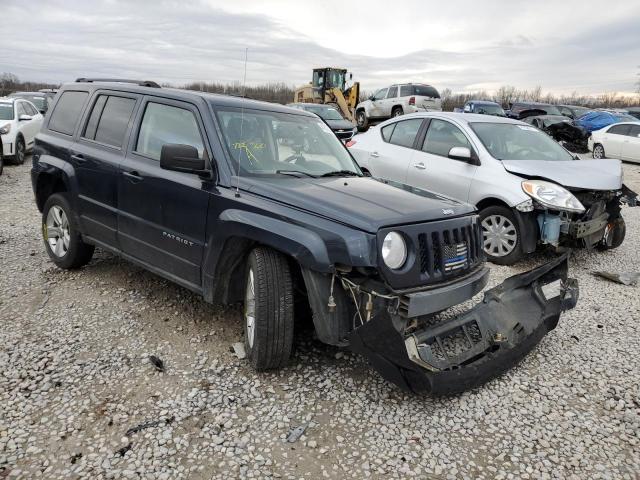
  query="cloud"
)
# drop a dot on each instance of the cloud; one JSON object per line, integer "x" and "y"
{"x": 180, "y": 42}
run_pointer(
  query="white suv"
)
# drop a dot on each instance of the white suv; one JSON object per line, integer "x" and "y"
{"x": 397, "y": 100}
{"x": 20, "y": 121}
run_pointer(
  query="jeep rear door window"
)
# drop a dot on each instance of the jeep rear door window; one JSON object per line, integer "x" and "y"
{"x": 109, "y": 120}
{"x": 405, "y": 132}
{"x": 273, "y": 143}
{"x": 166, "y": 124}
{"x": 67, "y": 112}
{"x": 443, "y": 136}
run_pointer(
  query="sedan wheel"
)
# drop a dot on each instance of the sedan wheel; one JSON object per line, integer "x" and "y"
{"x": 499, "y": 236}
{"x": 598, "y": 151}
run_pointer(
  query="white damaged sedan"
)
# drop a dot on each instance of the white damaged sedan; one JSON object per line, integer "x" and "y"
{"x": 528, "y": 189}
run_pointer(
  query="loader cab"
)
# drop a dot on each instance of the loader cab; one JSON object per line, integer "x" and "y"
{"x": 326, "y": 78}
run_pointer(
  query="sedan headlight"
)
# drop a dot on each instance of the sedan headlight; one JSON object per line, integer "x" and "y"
{"x": 552, "y": 196}
{"x": 5, "y": 129}
{"x": 394, "y": 250}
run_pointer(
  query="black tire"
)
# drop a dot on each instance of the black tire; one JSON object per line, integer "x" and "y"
{"x": 21, "y": 151}
{"x": 1, "y": 159}
{"x": 598, "y": 147}
{"x": 493, "y": 256}
{"x": 618, "y": 233}
{"x": 77, "y": 253}
{"x": 362, "y": 121}
{"x": 273, "y": 309}
{"x": 397, "y": 111}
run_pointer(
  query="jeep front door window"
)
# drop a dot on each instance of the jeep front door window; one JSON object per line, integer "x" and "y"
{"x": 165, "y": 124}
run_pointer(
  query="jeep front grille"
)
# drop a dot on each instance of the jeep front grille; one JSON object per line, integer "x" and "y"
{"x": 448, "y": 251}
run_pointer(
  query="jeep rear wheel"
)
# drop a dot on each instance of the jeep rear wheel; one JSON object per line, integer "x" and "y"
{"x": 61, "y": 235}
{"x": 268, "y": 309}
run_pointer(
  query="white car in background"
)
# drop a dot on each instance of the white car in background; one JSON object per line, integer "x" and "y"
{"x": 527, "y": 188}
{"x": 620, "y": 140}
{"x": 397, "y": 100}
{"x": 20, "y": 121}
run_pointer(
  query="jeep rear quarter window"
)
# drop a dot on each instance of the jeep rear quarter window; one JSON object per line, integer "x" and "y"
{"x": 66, "y": 114}
{"x": 166, "y": 124}
{"x": 109, "y": 119}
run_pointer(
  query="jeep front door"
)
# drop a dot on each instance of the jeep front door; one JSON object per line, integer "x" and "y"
{"x": 161, "y": 213}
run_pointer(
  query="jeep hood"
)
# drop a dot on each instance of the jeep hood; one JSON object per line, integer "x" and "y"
{"x": 576, "y": 174}
{"x": 362, "y": 202}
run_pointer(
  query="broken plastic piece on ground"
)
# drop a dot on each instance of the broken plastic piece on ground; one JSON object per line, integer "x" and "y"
{"x": 296, "y": 433}
{"x": 157, "y": 363}
{"x": 145, "y": 425}
{"x": 625, "y": 278}
{"x": 239, "y": 351}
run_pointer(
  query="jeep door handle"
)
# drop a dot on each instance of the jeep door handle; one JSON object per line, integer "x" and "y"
{"x": 374, "y": 154}
{"x": 134, "y": 177}
{"x": 78, "y": 158}
{"x": 420, "y": 166}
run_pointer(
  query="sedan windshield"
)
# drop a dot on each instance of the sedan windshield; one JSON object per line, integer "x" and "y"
{"x": 6, "y": 111}
{"x": 272, "y": 143}
{"x": 327, "y": 113}
{"x": 509, "y": 141}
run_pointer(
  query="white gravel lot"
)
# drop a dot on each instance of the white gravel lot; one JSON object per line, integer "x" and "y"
{"x": 75, "y": 377}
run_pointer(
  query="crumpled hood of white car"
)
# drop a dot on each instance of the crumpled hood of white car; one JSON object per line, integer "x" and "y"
{"x": 583, "y": 174}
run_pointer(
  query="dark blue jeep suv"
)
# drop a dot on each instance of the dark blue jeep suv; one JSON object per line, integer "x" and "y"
{"x": 245, "y": 201}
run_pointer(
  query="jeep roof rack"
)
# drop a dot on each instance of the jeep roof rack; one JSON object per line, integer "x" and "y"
{"x": 142, "y": 83}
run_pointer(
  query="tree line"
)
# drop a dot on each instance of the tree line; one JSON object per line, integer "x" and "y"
{"x": 280, "y": 92}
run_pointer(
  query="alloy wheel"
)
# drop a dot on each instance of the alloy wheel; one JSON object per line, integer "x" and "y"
{"x": 598, "y": 152}
{"x": 360, "y": 119}
{"x": 20, "y": 152}
{"x": 499, "y": 236}
{"x": 57, "y": 231}
{"x": 250, "y": 309}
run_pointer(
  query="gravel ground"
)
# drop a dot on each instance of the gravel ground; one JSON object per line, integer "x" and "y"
{"x": 75, "y": 378}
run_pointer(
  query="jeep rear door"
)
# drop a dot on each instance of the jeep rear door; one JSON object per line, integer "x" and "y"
{"x": 96, "y": 157}
{"x": 161, "y": 213}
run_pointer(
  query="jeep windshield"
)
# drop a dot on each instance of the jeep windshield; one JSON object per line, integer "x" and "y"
{"x": 510, "y": 141}
{"x": 274, "y": 144}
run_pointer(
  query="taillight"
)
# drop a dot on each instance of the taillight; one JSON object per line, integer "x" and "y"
{"x": 412, "y": 101}
{"x": 350, "y": 143}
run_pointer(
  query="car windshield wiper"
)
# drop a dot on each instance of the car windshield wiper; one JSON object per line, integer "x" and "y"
{"x": 295, "y": 173}
{"x": 341, "y": 173}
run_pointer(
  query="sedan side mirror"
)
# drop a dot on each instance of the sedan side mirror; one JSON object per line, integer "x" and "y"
{"x": 181, "y": 158}
{"x": 24, "y": 118}
{"x": 460, "y": 153}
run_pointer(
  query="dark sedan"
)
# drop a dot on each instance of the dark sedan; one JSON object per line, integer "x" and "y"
{"x": 343, "y": 129}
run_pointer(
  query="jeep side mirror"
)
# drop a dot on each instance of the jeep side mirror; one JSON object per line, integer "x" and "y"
{"x": 181, "y": 158}
{"x": 24, "y": 118}
{"x": 460, "y": 153}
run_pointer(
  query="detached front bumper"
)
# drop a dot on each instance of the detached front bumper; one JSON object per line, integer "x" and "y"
{"x": 467, "y": 351}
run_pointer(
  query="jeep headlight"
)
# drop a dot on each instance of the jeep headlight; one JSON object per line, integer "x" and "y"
{"x": 5, "y": 129}
{"x": 552, "y": 196}
{"x": 394, "y": 250}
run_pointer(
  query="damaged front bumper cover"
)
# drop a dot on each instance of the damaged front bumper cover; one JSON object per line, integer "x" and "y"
{"x": 469, "y": 350}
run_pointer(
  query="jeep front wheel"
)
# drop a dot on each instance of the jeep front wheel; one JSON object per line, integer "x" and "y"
{"x": 61, "y": 236}
{"x": 268, "y": 309}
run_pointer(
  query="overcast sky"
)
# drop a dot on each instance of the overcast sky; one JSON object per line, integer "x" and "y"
{"x": 562, "y": 45}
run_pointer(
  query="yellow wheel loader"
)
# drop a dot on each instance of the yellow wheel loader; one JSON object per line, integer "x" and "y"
{"x": 328, "y": 87}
